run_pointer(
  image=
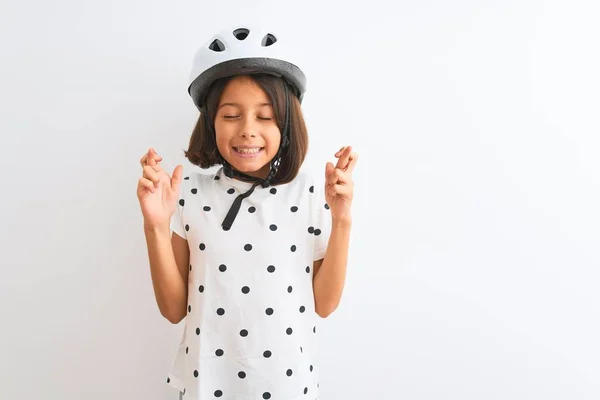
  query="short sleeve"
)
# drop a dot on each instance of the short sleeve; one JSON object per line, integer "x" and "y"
{"x": 177, "y": 223}
{"x": 321, "y": 220}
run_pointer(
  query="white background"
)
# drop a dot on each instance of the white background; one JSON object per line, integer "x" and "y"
{"x": 474, "y": 260}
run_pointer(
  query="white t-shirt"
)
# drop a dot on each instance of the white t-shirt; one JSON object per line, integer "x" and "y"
{"x": 250, "y": 331}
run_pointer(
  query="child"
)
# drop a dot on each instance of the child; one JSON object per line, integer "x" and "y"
{"x": 259, "y": 250}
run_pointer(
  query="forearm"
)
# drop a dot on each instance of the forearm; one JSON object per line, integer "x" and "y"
{"x": 169, "y": 288}
{"x": 328, "y": 283}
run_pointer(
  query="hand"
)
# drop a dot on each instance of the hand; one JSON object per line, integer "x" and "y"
{"x": 157, "y": 191}
{"x": 339, "y": 187}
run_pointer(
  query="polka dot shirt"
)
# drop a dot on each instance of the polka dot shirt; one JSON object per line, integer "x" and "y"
{"x": 250, "y": 329}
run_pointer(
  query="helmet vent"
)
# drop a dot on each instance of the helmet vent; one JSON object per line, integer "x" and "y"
{"x": 217, "y": 45}
{"x": 241, "y": 34}
{"x": 268, "y": 40}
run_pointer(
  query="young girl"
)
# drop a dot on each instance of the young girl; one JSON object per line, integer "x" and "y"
{"x": 259, "y": 249}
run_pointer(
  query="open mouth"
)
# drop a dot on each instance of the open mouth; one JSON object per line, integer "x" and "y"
{"x": 248, "y": 151}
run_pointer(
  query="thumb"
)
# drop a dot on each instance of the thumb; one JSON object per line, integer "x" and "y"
{"x": 176, "y": 179}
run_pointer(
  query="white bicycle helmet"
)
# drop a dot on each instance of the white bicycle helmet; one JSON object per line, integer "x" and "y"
{"x": 240, "y": 51}
{"x": 243, "y": 50}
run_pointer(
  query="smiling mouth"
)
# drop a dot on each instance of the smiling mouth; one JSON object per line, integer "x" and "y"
{"x": 248, "y": 150}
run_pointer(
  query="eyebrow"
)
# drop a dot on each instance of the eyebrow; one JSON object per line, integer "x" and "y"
{"x": 237, "y": 105}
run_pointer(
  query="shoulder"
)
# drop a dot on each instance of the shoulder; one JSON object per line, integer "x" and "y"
{"x": 194, "y": 182}
{"x": 308, "y": 181}
{"x": 194, "y": 178}
{"x": 309, "y": 188}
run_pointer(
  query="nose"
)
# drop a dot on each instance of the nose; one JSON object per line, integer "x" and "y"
{"x": 249, "y": 128}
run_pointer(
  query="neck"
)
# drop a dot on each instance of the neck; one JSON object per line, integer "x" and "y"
{"x": 260, "y": 174}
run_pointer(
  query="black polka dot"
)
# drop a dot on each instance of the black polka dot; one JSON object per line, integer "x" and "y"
{"x": 187, "y": 228}
{"x": 222, "y": 268}
{"x": 219, "y": 352}
{"x": 294, "y": 209}
{"x": 190, "y": 267}
{"x": 242, "y": 374}
{"x": 267, "y": 354}
{"x": 288, "y": 372}
{"x": 273, "y": 190}
{"x": 273, "y": 227}
{"x": 181, "y": 202}
{"x": 288, "y": 331}
{"x": 206, "y": 208}
{"x": 302, "y": 309}
{"x": 202, "y": 246}
{"x": 201, "y": 288}
{"x": 248, "y": 247}
{"x": 194, "y": 191}
{"x": 251, "y": 209}
{"x": 290, "y": 289}
{"x": 301, "y": 349}
{"x": 217, "y": 177}
{"x": 311, "y": 230}
{"x": 293, "y": 248}
{"x": 271, "y": 268}
{"x": 231, "y": 191}
{"x": 311, "y": 368}
{"x": 197, "y": 331}
{"x": 305, "y": 390}
{"x": 307, "y": 269}
{"x": 311, "y": 189}
{"x": 314, "y": 329}
{"x": 218, "y": 393}
{"x": 243, "y": 333}
{"x": 326, "y": 206}
{"x": 269, "y": 311}
{"x": 168, "y": 380}
{"x": 187, "y": 350}
{"x": 266, "y": 395}
{"x": 195, "y": 373}
{"x": 317, "y": 232}
{"x": 186, "y": 178}
{"x": 189, "y": 308}
{"x": 220, "y": 311}
{"x": 245, "y": 290}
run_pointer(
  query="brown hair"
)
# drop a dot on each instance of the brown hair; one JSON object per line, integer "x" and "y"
{"x": 202, "y": 150}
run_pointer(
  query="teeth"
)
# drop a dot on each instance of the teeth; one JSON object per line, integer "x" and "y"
{"x": 248, "y": 151}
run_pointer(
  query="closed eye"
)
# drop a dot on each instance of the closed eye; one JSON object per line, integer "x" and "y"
{"x": 237, "y": 116}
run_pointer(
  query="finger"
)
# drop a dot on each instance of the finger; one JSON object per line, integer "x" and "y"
{"x": 143, "y": 160}
{"x": 352, "y": 162}
{"x": 176, "y": 179}
{"x": 344, "y": 157}
{"x": 151, "y": 157}
{"x": 149, "y": 154}
{"x": 340, "y": 190}
{"x": 329, "y": 169}
{"x": 340, "y": 151}
{"x": 338, "y": 176}
{"x": 145, "y": 183}
{"x": 153, "y": 162}
{"x": 151, "y": 174}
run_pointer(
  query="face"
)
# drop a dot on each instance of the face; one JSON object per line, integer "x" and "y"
{"x": 246, "y": 129}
